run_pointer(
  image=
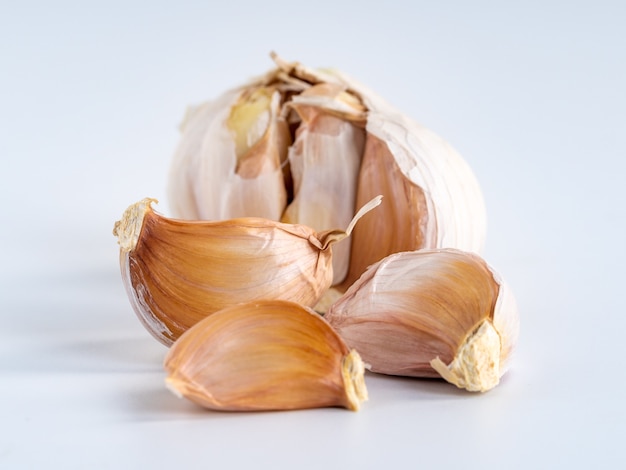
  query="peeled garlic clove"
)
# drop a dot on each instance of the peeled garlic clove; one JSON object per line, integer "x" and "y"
{"x": 267, "y": 355}
{"x": 229, "y": 162}
{"x": 177, "y": 272}
{"x": 324, "y": 162}
{"x": 431, "y": 313}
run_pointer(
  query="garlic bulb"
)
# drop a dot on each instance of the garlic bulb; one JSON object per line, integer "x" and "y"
{"x": 176, "y": 272}
{"x": 320, "y": 145}
{"x": 431, "y": 313}
{"x": 266, "y": 355}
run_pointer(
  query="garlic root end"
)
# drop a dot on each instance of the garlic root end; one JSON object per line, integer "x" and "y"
{"x": 353, "y": 370}
{"x": 476, "y": 366}
{"x": 128, "y": 228}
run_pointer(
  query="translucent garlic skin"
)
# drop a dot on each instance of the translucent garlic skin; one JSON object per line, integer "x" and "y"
{"x": 431, "y": 313}
{"x": 431, "y": 195}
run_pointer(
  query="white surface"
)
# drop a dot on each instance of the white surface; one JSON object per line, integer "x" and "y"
{"x": 531, "y": 93}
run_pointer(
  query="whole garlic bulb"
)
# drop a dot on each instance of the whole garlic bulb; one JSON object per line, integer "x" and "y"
{"x": 310, "y": 147}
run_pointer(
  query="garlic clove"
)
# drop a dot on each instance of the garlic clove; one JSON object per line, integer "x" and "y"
{"x": 324, "y": 162}
{"x": 455, "y": 205}
{"x": 230, "y": 159}
{"x": 177, "y": 272}
{"x": 438, "y": 200}
{"x": 431, "y": 313}
{"x": 266, "y": 355}
{"x": 400, "y": 225}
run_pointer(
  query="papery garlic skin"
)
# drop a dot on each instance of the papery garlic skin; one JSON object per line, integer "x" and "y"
{"x": 431, "y": 313}
{"x": 266, "y": 355}
{"x": 177, "y": 272}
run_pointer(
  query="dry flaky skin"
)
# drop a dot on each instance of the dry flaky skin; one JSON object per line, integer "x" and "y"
{"x": 128, "y": 228}
{"x": 476, "y": 365}
{"x": 268, "y": 355}
{"x": 430, "y": 313}
{"x": 177, "y": 272}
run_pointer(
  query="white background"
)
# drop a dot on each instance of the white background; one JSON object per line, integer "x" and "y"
{"x": 531, "y": 93}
